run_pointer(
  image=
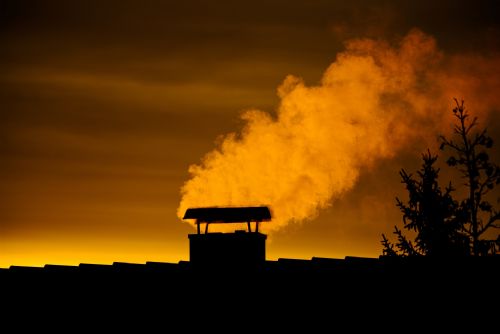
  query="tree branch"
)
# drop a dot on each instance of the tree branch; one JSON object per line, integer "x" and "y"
{"x": 451, "y": 144}
{"x": 491, "y": 222}
{"x": 478, "y": 137}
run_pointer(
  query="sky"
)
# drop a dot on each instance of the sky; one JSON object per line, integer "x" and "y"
{"x": 104, "y": 106}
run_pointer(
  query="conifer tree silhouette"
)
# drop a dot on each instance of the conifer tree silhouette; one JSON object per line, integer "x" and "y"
{"x": 469, "y": 155}
{"x": 431, "y": 213}
{"x": 442, "y": 225}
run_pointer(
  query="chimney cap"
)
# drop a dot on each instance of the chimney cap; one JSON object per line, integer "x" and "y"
{"x": 229, "y": 214}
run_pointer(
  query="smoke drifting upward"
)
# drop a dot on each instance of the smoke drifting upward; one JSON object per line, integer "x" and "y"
{"x": 374, "y": 100}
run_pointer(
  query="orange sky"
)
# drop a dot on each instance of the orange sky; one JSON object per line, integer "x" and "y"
{"x": 103, "y": 107}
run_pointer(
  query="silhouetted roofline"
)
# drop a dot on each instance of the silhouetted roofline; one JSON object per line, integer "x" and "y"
{"x": 349, "y": 262}
{"x": 229, "y": 214}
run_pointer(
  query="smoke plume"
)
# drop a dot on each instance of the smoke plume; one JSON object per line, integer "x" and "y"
{"x": 374, "y": 100}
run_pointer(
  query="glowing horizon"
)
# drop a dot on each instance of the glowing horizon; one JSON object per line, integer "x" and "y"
{"x": 106, "y": 105}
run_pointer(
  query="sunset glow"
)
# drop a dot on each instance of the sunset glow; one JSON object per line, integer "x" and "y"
{"x": 117, "y": 116}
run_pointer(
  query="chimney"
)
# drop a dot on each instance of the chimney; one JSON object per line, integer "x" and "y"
{"x": 239, "y": 249}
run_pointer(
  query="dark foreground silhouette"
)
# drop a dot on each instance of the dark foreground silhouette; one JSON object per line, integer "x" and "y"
{"x": 318, "y": 275}
{"x": 318, "y": 293}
